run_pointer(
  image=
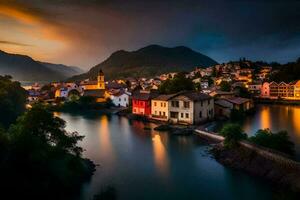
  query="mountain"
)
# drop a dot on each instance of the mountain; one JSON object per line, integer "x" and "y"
{"x": 148, "y": 61}
{"x": 66, "y": 71}
{"x": 24, "y": 68}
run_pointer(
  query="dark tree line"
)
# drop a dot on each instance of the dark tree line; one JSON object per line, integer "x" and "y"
{"x": 39, "y": 159}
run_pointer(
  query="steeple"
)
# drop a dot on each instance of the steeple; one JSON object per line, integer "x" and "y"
{"x": 100, "y": 80}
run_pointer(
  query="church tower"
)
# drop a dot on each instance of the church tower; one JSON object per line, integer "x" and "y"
{"x": 100, "y": 80}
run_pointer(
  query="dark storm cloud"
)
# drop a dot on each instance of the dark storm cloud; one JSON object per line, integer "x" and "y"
{"x": 224, "y": 30}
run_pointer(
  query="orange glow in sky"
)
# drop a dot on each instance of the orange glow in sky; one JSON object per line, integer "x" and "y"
{"x": 30, "y": 34}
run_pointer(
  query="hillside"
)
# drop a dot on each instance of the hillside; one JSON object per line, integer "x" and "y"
{"x": 66, "y": 71}
{"x": 24, "y": 68}
{"x": 148, "y": 61}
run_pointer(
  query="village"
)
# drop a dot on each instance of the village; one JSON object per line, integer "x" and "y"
{"x": 219, "y": 92}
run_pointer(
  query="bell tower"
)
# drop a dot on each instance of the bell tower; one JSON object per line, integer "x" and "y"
{"x": 100, "y": 80}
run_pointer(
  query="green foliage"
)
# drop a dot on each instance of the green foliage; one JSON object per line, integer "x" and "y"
{"x": 279, "y": 141}
{"x": 232, "y": 133}
{"x": 225, "y": 86}
{"x": 12, "y": 100}
{"x": 40, "y": 159}
{"x": 177, "y": 84}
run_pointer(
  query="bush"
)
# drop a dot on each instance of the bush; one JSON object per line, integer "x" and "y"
{"x": 279, "y": 141}
{"x": 232, "y": 133}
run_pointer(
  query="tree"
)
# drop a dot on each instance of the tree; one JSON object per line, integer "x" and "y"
{"x": 49, "y": 156}
{"x": 279, "y": 141}
{"x": 177, "y": 84}
{"x": 12, "y": 100}
{"x": 225, "y": 86}
{"x": 232, "y": 133}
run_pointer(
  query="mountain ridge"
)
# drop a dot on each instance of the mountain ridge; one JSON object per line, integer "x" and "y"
{"x": 25, "y": 68}
{"x": 148, "y": 61}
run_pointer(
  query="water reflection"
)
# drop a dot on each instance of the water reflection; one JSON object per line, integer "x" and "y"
{"x": 160, "y": 154}
{"x": 265, "y": 118}
{"x": 104, "y": 138}
{"x": 146, "y": 164}
{"x": 276, "y": 118}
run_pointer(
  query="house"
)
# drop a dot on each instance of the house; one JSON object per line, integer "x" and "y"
{"x": 265, "y": 90}
{"x": 120, "y": 98}
{"x": 96, "y": 89}
{"x": 160, "y": 107}
{"x": 255, "y": 88}
{"x": 223, "y": 108}
{"x": 141, "y": 102}
{"x": 239, "y": 103}
{"x": 191, "y": 108}
{"x": 274, "y": 90}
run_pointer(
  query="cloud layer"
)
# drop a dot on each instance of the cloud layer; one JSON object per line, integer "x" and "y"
{"x": 83, "y": 33}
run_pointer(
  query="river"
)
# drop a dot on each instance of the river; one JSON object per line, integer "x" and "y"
{"x": 276, "y": 118}
{"x": 146, "y": 164}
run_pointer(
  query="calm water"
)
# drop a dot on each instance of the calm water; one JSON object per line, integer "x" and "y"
{"x": 143, "y": 164}
{"x": 276, "y": 118}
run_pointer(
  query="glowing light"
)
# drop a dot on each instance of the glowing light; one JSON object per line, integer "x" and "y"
{"x": 160, "y": 156}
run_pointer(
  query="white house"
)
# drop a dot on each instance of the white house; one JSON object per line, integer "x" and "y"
{"x": 120, "y": 99}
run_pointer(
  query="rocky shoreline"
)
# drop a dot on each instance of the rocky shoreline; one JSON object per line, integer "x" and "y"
{"x": 240, "y": 158}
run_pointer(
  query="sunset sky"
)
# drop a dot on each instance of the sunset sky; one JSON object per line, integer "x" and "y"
{"x": 84, "y": 32}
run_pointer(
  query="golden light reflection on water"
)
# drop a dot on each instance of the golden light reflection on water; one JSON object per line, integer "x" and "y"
{"x": 296, "y": 121}
{"x": 105, "y": 138}
{"x": 160, "y": 155}
{"x": 265, "y": 118}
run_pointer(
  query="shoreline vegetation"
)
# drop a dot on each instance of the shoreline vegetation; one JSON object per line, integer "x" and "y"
{"x": 266, "y": 155}
{"x": 39, "y": 159}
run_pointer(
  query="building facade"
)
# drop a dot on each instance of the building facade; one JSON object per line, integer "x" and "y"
{"x": 191, "y": 108}
{"x": 141, "y": 102}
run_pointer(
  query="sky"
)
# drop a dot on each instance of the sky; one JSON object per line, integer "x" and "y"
{"x": 85, "y": 32}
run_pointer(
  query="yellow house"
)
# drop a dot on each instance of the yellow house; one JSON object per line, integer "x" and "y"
{"x": 96, "y": 88}
{"x": 160, "y": 107}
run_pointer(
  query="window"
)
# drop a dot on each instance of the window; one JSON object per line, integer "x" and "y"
{"x": 134, "y": 110}
{"x": 186, "y": 104}
{"x": 155, "y": 112}
{"x": 208, "y": 101}
{"x": 119, "y": 99}
{"x": 200, "y": 114}
{"x": 165, "y": 104}
{"x": 161, "y": 104}
{"x": 181, "y": 115}
{"x": 201, "y": 103}
{"x": 154, "y": 103}
{"x": 175, "y": 104}
{"x": 159, "y": 113}
{"x": 186, "y": 115}
{"x": 164, "y": 113}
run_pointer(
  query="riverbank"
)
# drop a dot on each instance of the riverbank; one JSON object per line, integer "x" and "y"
{"x": 283, "y": 175}
{"x": 258, "y": 161}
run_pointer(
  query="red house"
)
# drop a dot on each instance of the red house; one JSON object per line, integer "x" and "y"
{"x": 141, "y": 102}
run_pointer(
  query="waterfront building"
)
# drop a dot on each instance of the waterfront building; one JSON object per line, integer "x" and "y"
{"x": 141, "y": 102}
{"x": 191, "y": 108}
{"x": 274, "y": 90}
{"x": 64, "y": 90}
{"x": 120, "y": 98}
{"x": 96, "y": 88}
{"x": 239, "y": 103}
{"x": 255, "y": 88}
{"x": 160, "y": 107}
{"x": 265, "y": 90}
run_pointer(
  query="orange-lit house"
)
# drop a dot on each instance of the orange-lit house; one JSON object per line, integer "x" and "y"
{"x": 95, "y": 88}
{"x": 141, "y": 102}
